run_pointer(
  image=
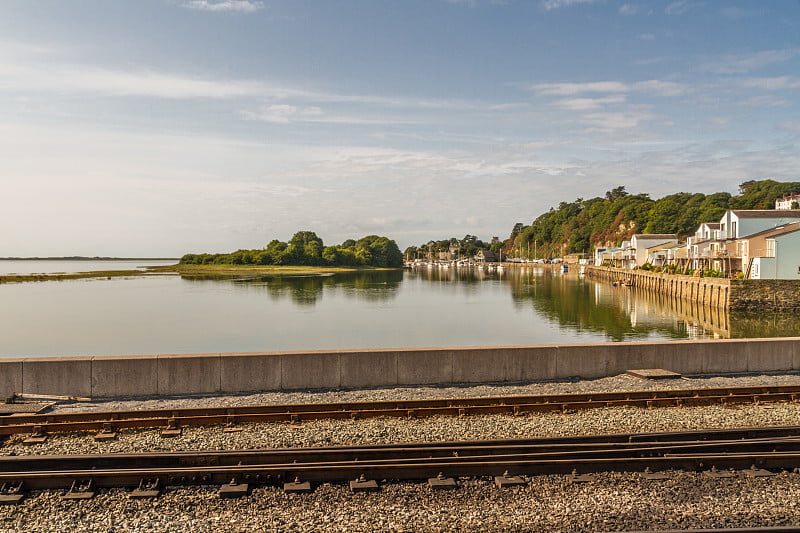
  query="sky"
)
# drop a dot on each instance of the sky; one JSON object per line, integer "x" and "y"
{"x": 155, "y": 128}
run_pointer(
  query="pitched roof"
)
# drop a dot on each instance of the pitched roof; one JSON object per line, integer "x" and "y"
{"x": 767, "y": 213}
{"x": 666, "y": 246}
{"x": 775, "y": 232}
{"x": 640, "y": 236}
{"x": 711, "y": 225}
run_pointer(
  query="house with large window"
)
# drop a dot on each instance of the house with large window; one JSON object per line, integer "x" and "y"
{"x": 771, "y": 254}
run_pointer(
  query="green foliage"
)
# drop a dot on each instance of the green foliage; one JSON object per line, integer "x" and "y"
{"x": 305, "y": 248}
{"x": 762, "y": 194}
{"x": 466, "y": 247}
{"x": 583, "y": 225}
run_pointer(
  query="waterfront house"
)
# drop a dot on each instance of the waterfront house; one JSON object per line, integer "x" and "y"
{"x": 487, "y": 256}
{"x": 727, "y": 247}
{"x": 641, "y": 243}
{"x": 699, "y": 247}
{"x": 738, "y": 223}
{"x": 788, "y": 201}
{"x": 770, "y": 254}
{"x": 664, "y": 254}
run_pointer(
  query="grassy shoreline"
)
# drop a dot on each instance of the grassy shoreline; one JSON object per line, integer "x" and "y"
{"x": 186, "y": 270}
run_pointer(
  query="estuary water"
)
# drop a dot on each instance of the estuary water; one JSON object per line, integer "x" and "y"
{"x": 370, "y": 309}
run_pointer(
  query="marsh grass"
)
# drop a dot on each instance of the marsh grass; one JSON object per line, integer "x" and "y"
{"x": 184, "y": 270}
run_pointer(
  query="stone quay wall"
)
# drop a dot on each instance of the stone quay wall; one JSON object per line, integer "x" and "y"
{"x": 714, "y": 292}
{"x": 735, "y": 294}
{"x": 219, "y": 373}
{"x": 778, "y": 294}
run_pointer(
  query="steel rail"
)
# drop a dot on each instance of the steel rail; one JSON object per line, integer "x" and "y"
{"x": 383, "y": 454}
{"x": 335, "y": 472}
{"x": 515, "y": 405}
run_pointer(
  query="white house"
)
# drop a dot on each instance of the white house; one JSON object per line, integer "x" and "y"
{"x": 738, "y": 223}
{"x": 787, "y": 201}
{"x": 642, "y": 242}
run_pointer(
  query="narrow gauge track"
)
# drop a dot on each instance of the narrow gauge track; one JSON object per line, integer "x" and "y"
{"x": 515, "y": 405}
{"x": 756, "y": 449}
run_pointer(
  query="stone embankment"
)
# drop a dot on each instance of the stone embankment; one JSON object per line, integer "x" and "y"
{"x": 734, "y": 294}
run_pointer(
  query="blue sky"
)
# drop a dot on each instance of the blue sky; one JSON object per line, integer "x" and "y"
{"x": 160, "y": 127}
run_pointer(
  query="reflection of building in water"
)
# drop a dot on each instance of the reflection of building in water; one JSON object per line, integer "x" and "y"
{"x": 700, "y": 321}
{"x": 648, "y": 312}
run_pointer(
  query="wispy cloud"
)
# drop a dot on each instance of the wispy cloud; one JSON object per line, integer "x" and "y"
{"x": 628, "y": 9}
{"x": 586, "y": 104}
{"x": 736, "y": 12}
{"x": 654, "y": 87}
{"x": 764, "y": 100}
{"x": 615, "y": 122}
{"x": 779, "y": 83}
{"x": 244, "y": 6}
{"x": 283, "y": 114}
{"x": 741, "y": 63}
{"x": 288, "y": 114}
{"x": 569, "y": 89}
{"x": 38, "y": 73}
{"x": 678, "y": 8}
{"x": 789, "y": 126}
{"x": 549, "y": 5}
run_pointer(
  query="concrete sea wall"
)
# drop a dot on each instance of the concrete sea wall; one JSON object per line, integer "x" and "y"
{"x": 149, "y": 375}
{"x": 735, "y": 294}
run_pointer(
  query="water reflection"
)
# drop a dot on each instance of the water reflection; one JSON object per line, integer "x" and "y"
{"x": 307, "y": 290}
{"x": 620, "y": 313}
{"x": 369, "y": 309}
{"x": 570, "y": 301}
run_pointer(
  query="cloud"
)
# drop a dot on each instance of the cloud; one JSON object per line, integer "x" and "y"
{"x": 654, "y": 87}
{"x": 716, "y": 124}
{"x": 243, "y": 6}
{"x": 628, "y": 9}
{"x": 766, "y": 100}
{"x": 741, "y": 63}
{"x": 32, "y": 73}
{"x": 549, "y": 5}
{"x": 570, "y": 89}
{"x": 736, "y": 12}
{"x": 647, "y": 37}
{"x": 771, "y": 84}
{"x": 789, "y": 126}
{"x": 614, "y": 122}
{"x": 584, "y": 104}
{"x": 678, "y": 8}
{"x": 288, "y": 114}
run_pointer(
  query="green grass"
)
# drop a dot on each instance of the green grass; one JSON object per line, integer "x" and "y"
{"x": 187, "y": 270}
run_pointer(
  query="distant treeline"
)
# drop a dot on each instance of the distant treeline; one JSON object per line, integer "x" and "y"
{"x": 306, "y": 249}
{"x": 466, "y": 247}
{"x": 583, "y": 225}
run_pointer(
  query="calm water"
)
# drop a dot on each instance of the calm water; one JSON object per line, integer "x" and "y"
{"x": 11, "y": 266}
{"x": 170, "y": 314}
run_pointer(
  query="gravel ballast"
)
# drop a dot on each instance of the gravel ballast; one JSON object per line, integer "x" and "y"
{"x": 613, "y": 502}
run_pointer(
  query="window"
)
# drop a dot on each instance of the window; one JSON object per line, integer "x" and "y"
{"x": 770, "y": 252}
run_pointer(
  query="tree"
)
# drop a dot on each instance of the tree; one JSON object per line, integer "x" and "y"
{"x": 616, "y": 193}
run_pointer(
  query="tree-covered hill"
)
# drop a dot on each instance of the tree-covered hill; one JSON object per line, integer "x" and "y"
{"x": 583, "y": 225}
{"x": 305, "y": 248}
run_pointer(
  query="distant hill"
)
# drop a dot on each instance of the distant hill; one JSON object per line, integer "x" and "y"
{"x": 583, "y": 225}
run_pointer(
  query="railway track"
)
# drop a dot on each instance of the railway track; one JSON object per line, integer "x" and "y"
{"x": 108, "y": 422}
{"x": 721, "y": 453}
